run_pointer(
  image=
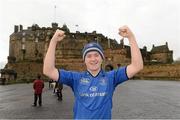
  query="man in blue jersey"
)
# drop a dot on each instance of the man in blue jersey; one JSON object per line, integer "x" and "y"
{"x": 93, "y": 89}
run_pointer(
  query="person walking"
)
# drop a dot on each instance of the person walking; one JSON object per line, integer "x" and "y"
{"x": 59, "y": 88}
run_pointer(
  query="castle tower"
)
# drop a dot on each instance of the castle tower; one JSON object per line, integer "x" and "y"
{"x": 122, "y": 43}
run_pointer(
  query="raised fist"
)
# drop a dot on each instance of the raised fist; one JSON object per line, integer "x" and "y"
{"x": 58, "y": 35}
{"x": 125, "y": 32}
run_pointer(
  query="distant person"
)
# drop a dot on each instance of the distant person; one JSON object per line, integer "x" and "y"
{"x": 58, "y": 90}
{"x": 108, "y": 68}
{"x": 93, "y": 89}
{"x": 50, "y": 83}
{"x": 118, "y": 65}
{"x": 3, "y": 81}
{"x": 38, "y": 86}
{"x": 55, "y": 87}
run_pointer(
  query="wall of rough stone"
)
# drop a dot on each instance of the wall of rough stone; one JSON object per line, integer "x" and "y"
{"x": 160, "y": 71}
{"x": 26, "y": 71}
{"x": 161, "y": 57}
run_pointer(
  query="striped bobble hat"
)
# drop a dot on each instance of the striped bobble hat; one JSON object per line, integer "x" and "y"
{"x": 92, "y": 47}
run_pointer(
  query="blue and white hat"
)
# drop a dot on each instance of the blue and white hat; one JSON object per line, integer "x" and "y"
{"x": 92, "y": 47}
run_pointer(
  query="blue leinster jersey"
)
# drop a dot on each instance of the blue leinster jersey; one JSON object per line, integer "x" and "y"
{"x": 93, "y": 95}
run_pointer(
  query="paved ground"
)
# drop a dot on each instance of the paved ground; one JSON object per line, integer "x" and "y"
{"x": 135, "y": 99}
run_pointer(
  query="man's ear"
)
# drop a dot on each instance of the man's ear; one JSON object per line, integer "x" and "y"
{"x": 84, "y": 63}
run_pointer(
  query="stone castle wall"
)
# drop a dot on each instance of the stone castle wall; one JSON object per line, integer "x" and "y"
{"x": 162, "y": 57}
{"x": 160, "y": 71}
{"x": 26, "y": 72}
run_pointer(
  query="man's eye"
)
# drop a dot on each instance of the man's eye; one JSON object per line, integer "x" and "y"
{"x": 88, "y": 56}
{"x": 96, "y": 55}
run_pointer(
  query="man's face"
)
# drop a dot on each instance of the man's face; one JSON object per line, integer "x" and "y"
{"x": 93, "y": 61}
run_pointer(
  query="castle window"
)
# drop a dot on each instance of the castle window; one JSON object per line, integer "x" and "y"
{"x": 36, "y": 40}
{"x": 23, "y": 40}
{"x": 73, "y": 36}
{"x": 23, "y": 46}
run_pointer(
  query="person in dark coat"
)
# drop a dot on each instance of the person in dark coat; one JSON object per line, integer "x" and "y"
{"x": 58, "y": 90}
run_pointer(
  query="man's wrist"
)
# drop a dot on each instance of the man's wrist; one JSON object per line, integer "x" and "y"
{"x": 54, "y": 41}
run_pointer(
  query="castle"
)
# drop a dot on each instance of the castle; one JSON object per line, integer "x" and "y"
{"x": 27, "y": 48}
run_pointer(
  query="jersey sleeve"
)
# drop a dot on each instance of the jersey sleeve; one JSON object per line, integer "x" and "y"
{"x": 66, "y": 77}
{"x": 120, "y": 75}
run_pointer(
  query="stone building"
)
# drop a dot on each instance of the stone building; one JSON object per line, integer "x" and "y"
{"x": 28, "y": 47}
{"x": 161, "y": 54}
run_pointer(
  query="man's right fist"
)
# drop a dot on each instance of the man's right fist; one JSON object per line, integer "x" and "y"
{"x": 58, "y": 35}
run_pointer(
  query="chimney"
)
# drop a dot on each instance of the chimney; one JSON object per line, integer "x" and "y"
{"x": 16, "y": 28}
{"x": 122, "y": 43}
{"x": 145, "y": 48}
{"x": 54, "y": 25}
{"x": 21, "y": 27}
{"x": 166, "y": 43}
{"x": 153, "y": 46}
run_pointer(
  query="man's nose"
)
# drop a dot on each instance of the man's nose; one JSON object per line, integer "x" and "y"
{"x": 93, "y": 58}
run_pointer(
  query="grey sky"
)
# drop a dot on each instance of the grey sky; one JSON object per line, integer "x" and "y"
{"x": 152, "y": 21}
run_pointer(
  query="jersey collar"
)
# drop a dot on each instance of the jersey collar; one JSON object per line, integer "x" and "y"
{"x": 101, "y": 73}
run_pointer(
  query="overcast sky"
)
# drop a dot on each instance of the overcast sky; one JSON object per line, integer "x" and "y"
{"x": 152, "y": 21}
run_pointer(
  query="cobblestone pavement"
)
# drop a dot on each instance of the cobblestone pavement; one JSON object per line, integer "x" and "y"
{"x": 134, "y": 99}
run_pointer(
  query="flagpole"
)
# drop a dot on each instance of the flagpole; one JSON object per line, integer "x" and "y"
{"x": 77, "y": 27}
{"x": 55, "y": 13}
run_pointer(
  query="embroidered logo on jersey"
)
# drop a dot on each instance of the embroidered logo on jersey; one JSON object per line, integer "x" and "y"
{"x": 84, "y": 81}
{"x": 93, "y": 89}
{"x": 103, "y": 81}
{"x": 94, "y": 94}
